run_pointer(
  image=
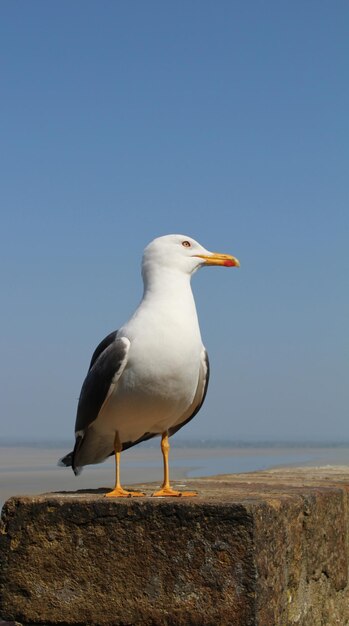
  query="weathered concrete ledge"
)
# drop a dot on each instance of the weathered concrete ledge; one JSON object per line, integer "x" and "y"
{"x": 261, "y": 549}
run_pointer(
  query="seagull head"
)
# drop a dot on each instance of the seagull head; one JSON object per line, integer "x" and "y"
{"x": 182, "y": 253}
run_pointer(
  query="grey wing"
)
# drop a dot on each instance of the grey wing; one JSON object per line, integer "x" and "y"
{"x": 199, "y": 397}
{"x": 100, "y": 381}
{"x": 103, "y": 345}
{"x": 107, "y": 364}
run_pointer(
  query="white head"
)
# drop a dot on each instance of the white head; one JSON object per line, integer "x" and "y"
{"x": 182, "y": 254}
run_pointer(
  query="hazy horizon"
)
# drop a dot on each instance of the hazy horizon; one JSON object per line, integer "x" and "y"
{"x": 186, "y": 442}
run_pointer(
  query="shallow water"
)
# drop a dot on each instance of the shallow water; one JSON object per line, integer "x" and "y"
{"x": 31, "y": 470}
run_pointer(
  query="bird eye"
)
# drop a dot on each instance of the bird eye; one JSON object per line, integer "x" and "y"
{"x": 186, "y": 244}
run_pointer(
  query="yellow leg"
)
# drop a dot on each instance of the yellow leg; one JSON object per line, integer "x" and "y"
{"x": 166, "y": 489}
{"x": 118, "y": 491}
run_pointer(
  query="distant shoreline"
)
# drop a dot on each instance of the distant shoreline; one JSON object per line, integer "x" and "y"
{"x": 185, "y": 443}
{"x": 31, "y": 467}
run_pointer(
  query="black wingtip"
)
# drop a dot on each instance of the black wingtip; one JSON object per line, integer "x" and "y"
{"x": 66, "y": 461}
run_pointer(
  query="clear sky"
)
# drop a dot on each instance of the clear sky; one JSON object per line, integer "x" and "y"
{"x": 226, "y": 121}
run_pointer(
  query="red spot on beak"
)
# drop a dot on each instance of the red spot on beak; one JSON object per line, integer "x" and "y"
{"x": 229, "y": 263}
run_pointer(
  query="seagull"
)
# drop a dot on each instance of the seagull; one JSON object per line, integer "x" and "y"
{"x": 150, "y": 377}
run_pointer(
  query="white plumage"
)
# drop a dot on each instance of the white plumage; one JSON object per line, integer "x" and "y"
{"x": 150, "y": 377}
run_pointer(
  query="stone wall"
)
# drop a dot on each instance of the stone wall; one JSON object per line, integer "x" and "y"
{"x": 261, "y": 549}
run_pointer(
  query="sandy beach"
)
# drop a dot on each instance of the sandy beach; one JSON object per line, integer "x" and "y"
{"x": 32, "y": 469}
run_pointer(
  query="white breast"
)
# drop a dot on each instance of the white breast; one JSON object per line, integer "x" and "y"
{"x": 161, "y": 376}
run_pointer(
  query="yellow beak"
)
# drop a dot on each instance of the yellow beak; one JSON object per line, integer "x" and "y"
{"x": 220, "y": 259}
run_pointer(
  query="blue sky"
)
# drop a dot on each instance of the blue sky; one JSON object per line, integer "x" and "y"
{"x": 226, "y": 121}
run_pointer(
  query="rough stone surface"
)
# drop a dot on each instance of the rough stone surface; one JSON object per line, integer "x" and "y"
{"x": 260, "y": 549}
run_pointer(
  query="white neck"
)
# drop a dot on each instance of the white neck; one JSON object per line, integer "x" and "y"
{"x": 169, "y": 293}
{"x": 165, "y": 281}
